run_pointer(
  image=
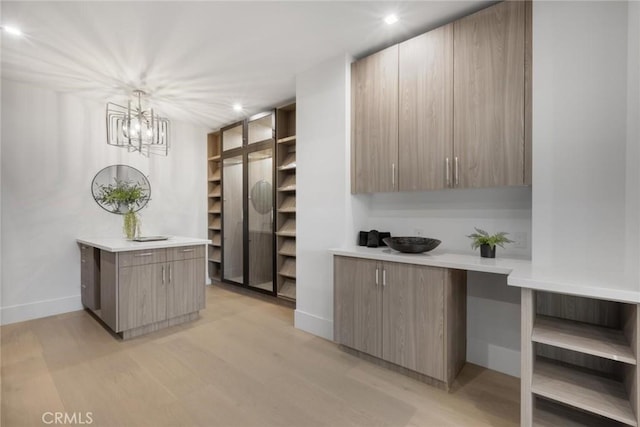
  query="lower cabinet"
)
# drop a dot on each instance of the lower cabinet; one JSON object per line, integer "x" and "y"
{"x": 409, "y": 315}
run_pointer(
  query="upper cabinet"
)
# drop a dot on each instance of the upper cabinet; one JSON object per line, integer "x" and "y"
{"x": 425, "y": 143}
{"x": 447, "y": 109}
{"x": 489, "y": 97}
{"x": 374, "y": 122}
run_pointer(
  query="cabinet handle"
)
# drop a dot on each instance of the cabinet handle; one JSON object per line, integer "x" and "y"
{"x": 145, "y": 254}
{"x": 393, "y": 176}
{"x": 456, "y": 180}
{"x": 163, "y": 274}
{"x": 187, "y": 250}
{"x": 377, "y": 283}
{"x": 169, "y": 274}
{"x": 384, "y": 277}
{"x": 447, "y": 172}
{"x": 84, "y": 286}
{"x": 84, "y": 260}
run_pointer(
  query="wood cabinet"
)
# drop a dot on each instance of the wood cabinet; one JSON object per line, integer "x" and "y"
{"x": 411, "y": 316}
{"x": 146, "y": 290}
{"x": 450, "y": 108}
{"x": 489, "y": 97}
{"x": 425, "y": 144}
{"x": 374, "y": 122}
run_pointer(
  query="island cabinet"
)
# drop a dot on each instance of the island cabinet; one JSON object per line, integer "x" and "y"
{"x": 145, "y": 290}
{"x": 407, "y": 316}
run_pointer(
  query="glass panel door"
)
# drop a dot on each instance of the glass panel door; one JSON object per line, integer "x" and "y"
{"x": 260, "y": 129}
{"x": 260, "y": 239}
{"x": 232, "y": 138}
{"x": 233, "y": 220}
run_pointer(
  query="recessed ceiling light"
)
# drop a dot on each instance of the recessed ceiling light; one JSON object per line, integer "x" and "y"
{"x": 391, "y": 19}
{"x": 237, "y": 107}
{"x": 14, "y": 31}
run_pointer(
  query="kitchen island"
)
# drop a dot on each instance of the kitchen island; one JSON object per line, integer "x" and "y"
{"x": 140, "y": 287}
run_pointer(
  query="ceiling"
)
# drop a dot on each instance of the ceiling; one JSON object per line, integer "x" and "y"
{"x": 197, "y": 59}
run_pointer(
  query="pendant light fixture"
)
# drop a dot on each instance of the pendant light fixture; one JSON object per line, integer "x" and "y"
{"x": 137, "y": 129}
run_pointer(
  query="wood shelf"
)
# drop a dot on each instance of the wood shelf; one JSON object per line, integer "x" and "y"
{"x": 216, "y": 224}
{"x": 217, "y": 240}
{"x": 215, "y": 255}
{"x": 582, "y": 337}
{"x": 215, "y": 177}
{"x": 288, "y": 289}
{"x": 574, "y": 387}
{"x": 287, "y": 140}
{"x": 216, "y": 192}
{"x": 215, "y": 208}
{"x": 288, "y": 204}
{"x": 551, "y": 414}
{"x": 288, "y": 188}
{"x": 214, "y": 158}
{"x": 288, "y": 229}
{"x": 289, "y": 163}
{"x": 288, "y": 248}
{"x": 288, "y": 183}
{"x": 288, "y": 268}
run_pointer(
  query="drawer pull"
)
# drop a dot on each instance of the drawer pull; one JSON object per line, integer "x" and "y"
{"x": 187, "y": 250}
{"x": 84, "y": 260}
{"x": 84, "y": 286}
{"x": 145, "y": 254}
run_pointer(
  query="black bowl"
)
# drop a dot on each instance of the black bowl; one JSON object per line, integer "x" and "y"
{"x": 412, "y": 245}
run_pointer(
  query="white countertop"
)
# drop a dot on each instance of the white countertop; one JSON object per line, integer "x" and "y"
{"x": 119, "y": 244}
{"x": 521, "y": 273}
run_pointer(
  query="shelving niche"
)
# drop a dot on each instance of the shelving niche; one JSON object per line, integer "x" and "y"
{"x": 214, "y": 218}
{"x": 579, "y": 361}
{"x": 286, "y": 201}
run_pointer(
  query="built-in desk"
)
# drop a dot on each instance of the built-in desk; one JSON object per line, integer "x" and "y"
{"x": 140, "y": 287}
{"x": 579, "y": 328}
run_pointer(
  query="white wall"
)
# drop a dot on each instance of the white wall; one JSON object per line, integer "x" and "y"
{"x": 52, "y": 146}
{"x": 581, "y": 141}
{"x": 325, "y": 212}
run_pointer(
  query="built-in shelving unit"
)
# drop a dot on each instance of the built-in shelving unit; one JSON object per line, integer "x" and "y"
{"x": 286, "y": 201}
{"x": 214, "y": 203}
{"x": 579, "y": 361}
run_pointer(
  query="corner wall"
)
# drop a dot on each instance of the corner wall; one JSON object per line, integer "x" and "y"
{"x": 52, "y": 146}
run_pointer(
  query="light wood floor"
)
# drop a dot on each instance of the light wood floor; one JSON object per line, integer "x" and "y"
{"x": 241, "y": 364}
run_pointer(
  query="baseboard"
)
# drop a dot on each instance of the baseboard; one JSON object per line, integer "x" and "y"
{"x": 501, "y": 359}
{"x": 313, "y": 324}
{"x": 38, "y": 309}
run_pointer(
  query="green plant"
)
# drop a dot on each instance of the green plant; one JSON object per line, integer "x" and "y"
{"x": 123, "y": 194}
{"x": 481, "y": 237}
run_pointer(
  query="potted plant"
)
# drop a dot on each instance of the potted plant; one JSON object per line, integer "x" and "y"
{"x": 126, "y": 198}
{"x": 487, "y": 243}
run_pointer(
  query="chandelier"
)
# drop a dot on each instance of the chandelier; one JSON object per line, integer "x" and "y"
{"x": 136, "y": 129}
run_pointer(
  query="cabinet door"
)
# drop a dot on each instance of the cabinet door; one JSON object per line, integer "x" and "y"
{"x": 413, "y": 318}
{"x": 185, "y": 287}
{"x": 141, "y": 295}
{"x": 374, "y": 122}
{"x": 489, "y": 53}
{"x": 357, "y": 305}
{"x": 90, "y": 277}
{"x": 426, "y": 111}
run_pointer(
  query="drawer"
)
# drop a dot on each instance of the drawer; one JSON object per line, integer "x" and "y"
{"x": 148, "y": 256}
{"x": 185, "y": 252}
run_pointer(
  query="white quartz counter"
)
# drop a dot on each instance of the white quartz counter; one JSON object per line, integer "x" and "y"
{"x": 521, "y": 273}
{"x": 119, "y": 244}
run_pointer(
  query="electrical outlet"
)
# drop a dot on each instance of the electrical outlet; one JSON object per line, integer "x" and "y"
{"x": 520, "y": 240}
{"x": 419, "y": 232}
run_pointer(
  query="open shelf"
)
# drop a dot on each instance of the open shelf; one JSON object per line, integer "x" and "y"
{"x": 215, "y": 207}
{"x": 288, "y": 268}
{"x": 288, "y": 248}
{"x": 215, "y": 192}
{"x": 216, "y": 240}
{"x": 288, "y": 183}
{"x": 289, "y": 162}
{"x": 216, "y": 224}
{"x": 215, "y": 176}
{"x": 583, "y": 337}
{"x": 288, "y": 204}
{"x": 287, "y": 140}
{"x": 288, "y": 229}
{"x": 215, "y": 255}
{"x": 586, "y": 391}
{"x": 551, "y": 414}
{"x": 288, "y": 289}
{"x": 214, "y": 158}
